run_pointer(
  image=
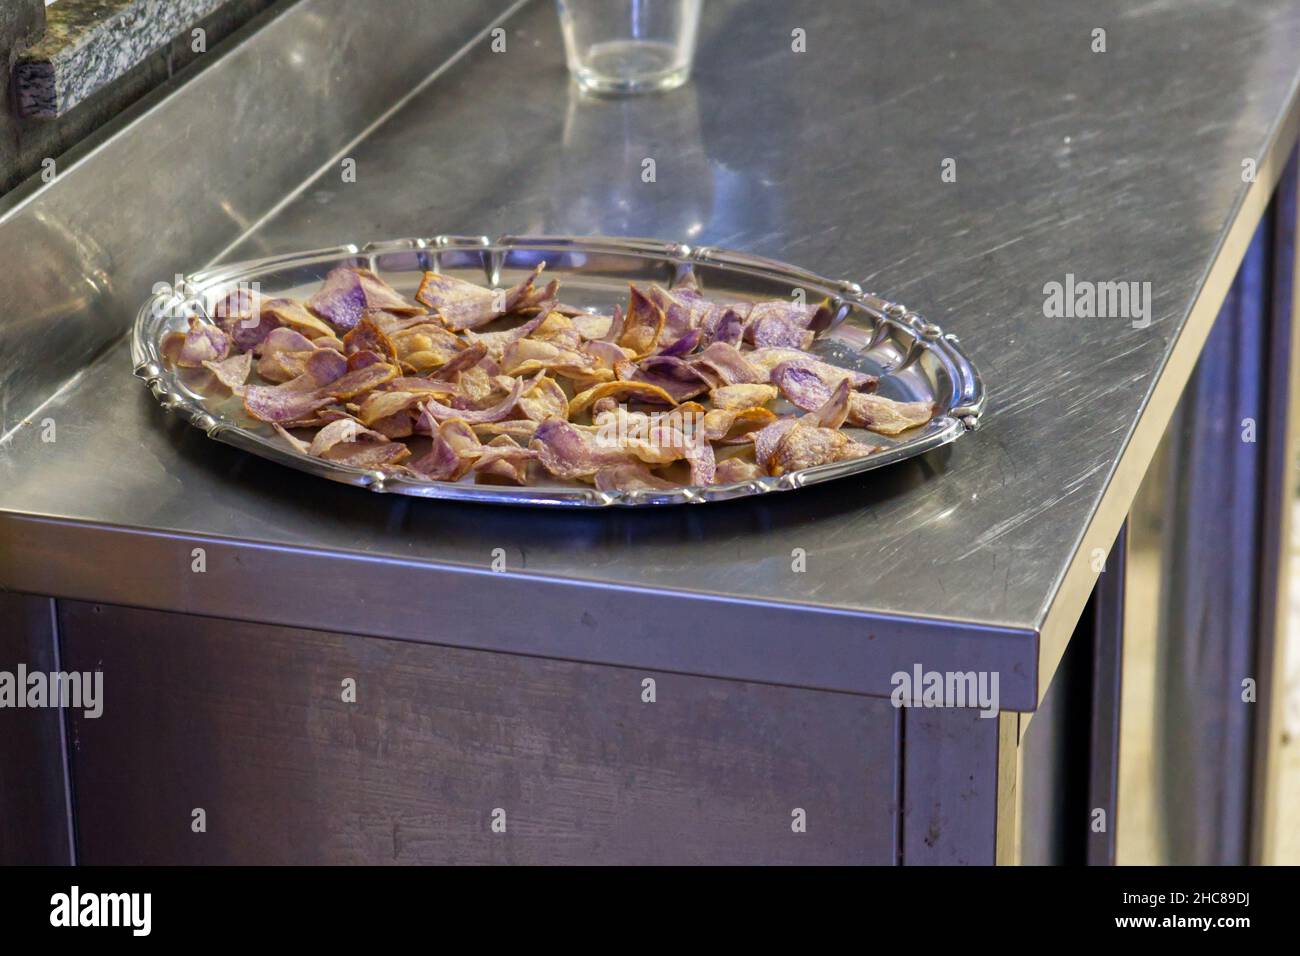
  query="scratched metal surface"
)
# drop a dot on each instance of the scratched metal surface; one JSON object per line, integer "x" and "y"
{"x": 1123, "y": 165}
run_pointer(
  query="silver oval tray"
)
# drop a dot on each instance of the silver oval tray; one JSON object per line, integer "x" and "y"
{"x": 914, "y": 358}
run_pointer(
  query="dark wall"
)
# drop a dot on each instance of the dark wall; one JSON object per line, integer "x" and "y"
{"x": 21, "y": 23}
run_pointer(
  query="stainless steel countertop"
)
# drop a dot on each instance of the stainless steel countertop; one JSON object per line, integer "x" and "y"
{"x": 1123, "y": 165}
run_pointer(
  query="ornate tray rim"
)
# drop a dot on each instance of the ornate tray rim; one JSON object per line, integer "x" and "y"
{"x": 959, "y": 415}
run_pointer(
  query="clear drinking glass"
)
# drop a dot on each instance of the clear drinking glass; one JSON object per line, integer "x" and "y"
{"x": 629, "y": 46}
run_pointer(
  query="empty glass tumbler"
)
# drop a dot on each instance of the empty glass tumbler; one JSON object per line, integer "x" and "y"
{"x": 629, "y": 46}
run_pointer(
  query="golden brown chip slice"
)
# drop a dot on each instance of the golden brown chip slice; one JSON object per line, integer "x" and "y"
{"x": 742, "y": 396}
{"x": 520, "y": 429}
{"x": 424, "y": 361}
{"x": 546, "y": 399}
{"x": 644, "y": 325}
{"x": 621, "y": 391}
{"x": 525, "y": 356}
{"x": 886, "y": 416}
{"x": 727, "y": 424}
{"x": 581, "y": 383}
{"x": 736, "y": 469}
{"x": 294, "y": 315}
{"x": 359, "y": 381}
{"x": 479, "y": 387}
{"x": 592, "y": 326}
{"x": 558, "y": 330}
{"x": 660, "y": 438}
{"x": 377, "y": 405}
{"x": 366, "y": 335}
{"x": 423, "y": 387}
{"x": 804, "y": 446}
{"x": 423, "y": 347}
{"x": 503, "y": 460}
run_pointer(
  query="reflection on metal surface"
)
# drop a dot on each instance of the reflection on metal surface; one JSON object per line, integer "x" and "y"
{"x": 1274, "y": 790}
{"x": 1284, "y": 782}
{"x": 1065, "y": 769}
{"x": 177, "y": 177}
{"x": 1208, "y": 635}
{"x": 1140, "y": 835}
{"x": 1203, "y": 585}
{"x": 1105, "y": 631}
{"x": 633, "y": 165}
{"x": 65, "y": 272}
{"x": 1191, "y": 632}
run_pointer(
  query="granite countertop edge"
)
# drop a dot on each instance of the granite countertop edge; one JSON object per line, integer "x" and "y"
{"x": 89, "y": 44}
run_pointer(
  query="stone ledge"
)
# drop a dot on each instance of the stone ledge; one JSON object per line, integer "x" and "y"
{"x": 90, "y": 43}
